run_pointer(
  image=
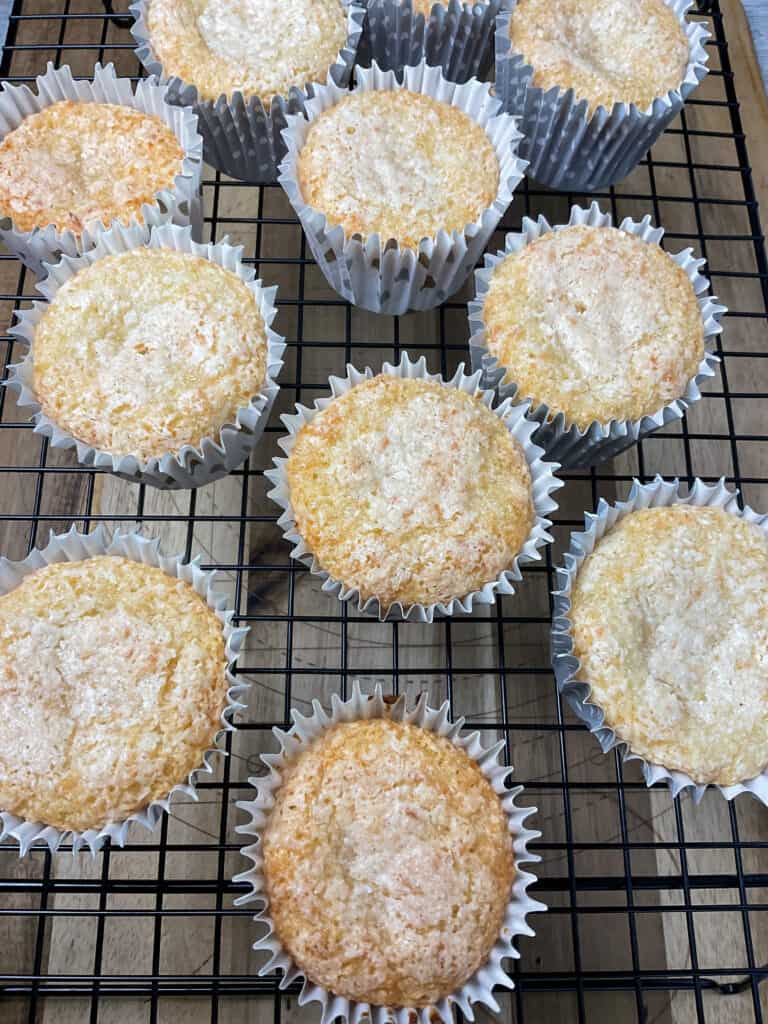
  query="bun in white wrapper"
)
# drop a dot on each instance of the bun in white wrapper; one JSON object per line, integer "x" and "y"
{"x": 179, "y": 205}
{"x": 377, "y": 273}
{"x": 543, "y": 484}
{"x": 568, "y": 147}
{"x": 242, "y": 134}
{"x": 568, "y": 443}
{"x": 75, "y": 547}
{"x": 659, "y": 493}
{"x": 479, "y": 987}
{"x": 191, "y": 466}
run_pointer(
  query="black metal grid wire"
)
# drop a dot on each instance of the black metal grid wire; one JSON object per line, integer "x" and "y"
{"x": 658, "y": 916}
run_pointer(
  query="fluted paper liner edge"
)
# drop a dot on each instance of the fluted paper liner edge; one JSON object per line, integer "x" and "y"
{"x": 456, "y": 36}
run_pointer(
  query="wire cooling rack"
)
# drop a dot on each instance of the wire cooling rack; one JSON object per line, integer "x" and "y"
{"x": 657, "y": 908}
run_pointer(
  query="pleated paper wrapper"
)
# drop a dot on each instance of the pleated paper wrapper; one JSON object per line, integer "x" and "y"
{"x": 565, "y": 442}
{"x": 191, "y": 466}
{"x": 659, "y": 493}
{"x": 457, "y": 37}
{"x": 478, "y": 989}
{"x": 76, "y": 547}
{"x": 179, "y": 205}
{"x": 543, "y": 484}
{"x": 570, "y": 149}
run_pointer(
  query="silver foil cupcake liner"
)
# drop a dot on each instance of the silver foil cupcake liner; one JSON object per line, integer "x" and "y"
{"x": 567, "y": 443}
{"x": 659, "y": 493}
{"x": 543, "y": 484}
{"x": 569, "y": 148}
{"x": 191, "y": 466}
{"x": 179, "y": 205}
{"x": 76, "y": 547}
{"x": 374, "y": 272}
{"x": 457, "y": 37}
{"x": 478, "y": 989}
{"x": 243, "y": 135}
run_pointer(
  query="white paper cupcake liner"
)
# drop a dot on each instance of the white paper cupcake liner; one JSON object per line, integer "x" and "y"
{"x": 543, "y": 484}
{"x": 179, "y": 205}
{"x": 192, "y": 466}
{"x": 242, "y": 135}
{"x": 76, "y": 547}
{"x": 376, "y": 273}
{"x": 569, "y": 148}
{"x": 457, "y": 37}
{"x": 567, "y": 666}
{"x": 566, "y": 442}
{"x": 479, "y": 988}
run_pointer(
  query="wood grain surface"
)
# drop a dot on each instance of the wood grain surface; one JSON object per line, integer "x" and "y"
{"x": 598, "y": 938}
